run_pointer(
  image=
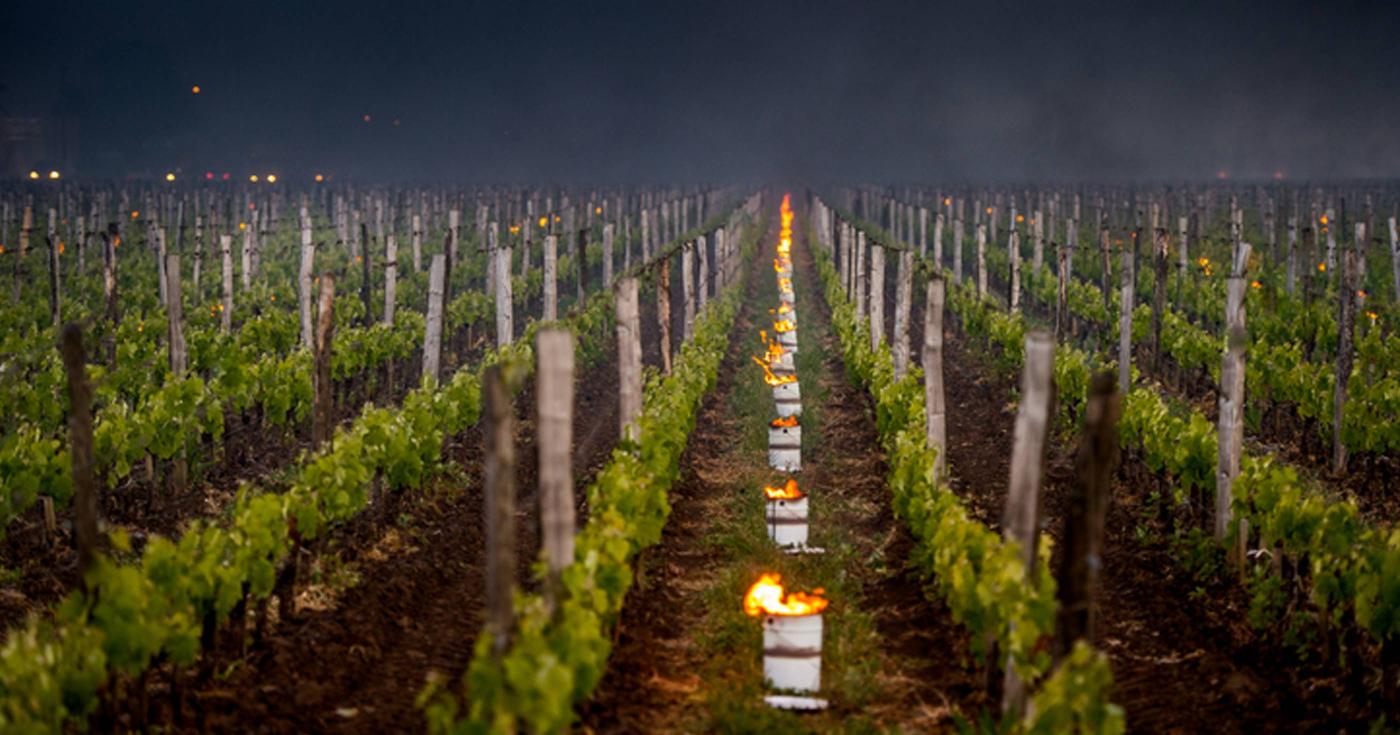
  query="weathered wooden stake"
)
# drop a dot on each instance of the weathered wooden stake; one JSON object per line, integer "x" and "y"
{"x": 432, "y": 336}
{"x": 936, "y": 424}
{"x": 1022, "y": 521}
{"x": 1159, "y": 293}
{"x": 688, "y": 291}
{"x": 1230, "y": 435}
{"x": 904, "y": 301}
{"x": 554, "y": 349}
{"x": 1126, "y": 298}
{"x": 703, "y": 264}
{"x": 323, "y": 423}
{"x": 85, "y": 506}
{"x": 391, "y": 277}
{"x": 877, "y": 295}
{"x": 505, "y": 316}
{"x": 982, "y": 261}
{"x": 175, "y": 317}
{"x": 551, "y": 278}
{"x": 500, "y": 506}
{"x": 1346, "y": 321}
{"x": 308, "y": 261}
{"x": 226, "y": 312}
{"x": 629, "y": 357}
{"x": 663, "y": 312}
{"x": 1095, "y": 462}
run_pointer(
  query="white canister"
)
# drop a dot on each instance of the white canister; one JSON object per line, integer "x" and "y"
{"x": 787, "y": 521}
{"x": 792, "y": 652}
{"x": 784, "y": 366}
{"x": 787, "y": 399}
{"x": 785, "y": 447}
{"x": 788, "y": 340}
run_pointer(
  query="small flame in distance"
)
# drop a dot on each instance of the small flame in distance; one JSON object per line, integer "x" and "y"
{"x": 788, "y": 491}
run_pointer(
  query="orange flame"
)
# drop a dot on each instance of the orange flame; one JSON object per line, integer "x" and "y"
{"x": 770, "y": 378}
{"x": 783, "y": 325}
{"x": 773, "y": 350}
{"x": 786, "y": 422}
{"x": 766, "y": 597}
{"x": 788, "y": 491}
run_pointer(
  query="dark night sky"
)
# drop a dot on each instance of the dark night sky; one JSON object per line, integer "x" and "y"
{"x": 613, "y": 91}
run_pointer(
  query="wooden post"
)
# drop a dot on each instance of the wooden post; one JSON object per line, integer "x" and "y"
{"x": 500, "y": 504}
{"x": 703, "y": 264}
{"x": 877, "y": 295}
{"x": 904, "y": 298}
{"x": 85, "y": 505}
{"x": 391, "y": 277}
{"x": 1231, "y": 413}
{"x": 226, "y": 315}
{"x": 1095, "y": 462}
{"x": 432, "y": 337}
{"x": 663, "y": 312}
{"x": 417, "y": 243}
{"x": 174, "y": 316}
{"x": 629, "y": 357}
{"x": 1126, "y": 298}
{"x": 958, "y": 251}
{"x": 551, "y": 278}
{"x": 1062, "y": 293}
{"x": 982, "y": 261}
{"x": 1038, "y": 242}
{"x": 505, "y": 316}
{"x": 1395, "y": 257}
{"x": 923, "y": 231}
{"x": 110, "y": 239}
{"x": 608, "y": 254}
{"x": 936, "y": 423}
{"x": 859, "y": 277}
{"x": 1159, "y": 292}
{"x": 308, "y": 261}
{"x": 688, "y": 291}
{"x": 55, "y": 278}
{"x": 1346, "y": 321}
{"x": 365, "y": 284}
{"x": 323, "y": 423}
{"x": 554, "y": 350}
{"x": 938, "y": 240}
{"x": 246, "y": 258}
{"x": 1022, "y": 522}
{"x": 581, "y": 256}
{"x": 1013, "y": 247}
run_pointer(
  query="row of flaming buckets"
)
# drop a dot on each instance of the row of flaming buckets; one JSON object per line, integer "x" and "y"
{"x": 792, "y": 623}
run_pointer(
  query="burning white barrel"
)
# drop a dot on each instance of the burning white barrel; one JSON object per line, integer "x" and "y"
{"x": 792, "y": 634}
{"x": 787, "y": 335}
{"x": 784, "y": 364}
{"x": 787, "y": 514}
{"x": 785, "y": 444}
{"x": 787, "y": 399}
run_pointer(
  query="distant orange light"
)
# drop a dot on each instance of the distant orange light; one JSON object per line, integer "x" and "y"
{"x": 1255, "y": 284}
{"x": 989, "y": 210}
{"x": 33, "y": 174}
{"x": 195, "y": 89}
{"x": 1321, "y": 267}
{"x": 366, "y": 118}
{"x": 170, "y": 177}
{"x": 597, "y": 210}
{"x": 254, "y": 179}
{"x": 947, "y": 201}
{"x": 135, "y": 214}
{"x": 242, "y": 226}
{"x": 272, "y": 178}
{"x": 1020, "y": 218}
{"x": 1322, "y": 219}
{"x": 53, "y": 175}
{"x": 61, "y": 248}
{"x": 320, "y": 178}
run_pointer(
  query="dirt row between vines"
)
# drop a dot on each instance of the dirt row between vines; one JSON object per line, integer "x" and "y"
{"x": 662, "y": 673}
{"x": 1184, "y": 658}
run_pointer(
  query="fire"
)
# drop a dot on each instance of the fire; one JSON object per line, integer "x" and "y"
{"x": 788, "y": 491}
{"x": 784, "y": 284}
{"x": 773, "y": 350}
{"x": 786, "y": 422}
{"x": 783, "y": 325}
{"x": 770, "y": 378}
{"x": 766, "y": 597}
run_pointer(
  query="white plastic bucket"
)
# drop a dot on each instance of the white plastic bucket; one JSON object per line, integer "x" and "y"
{"x": 788, "y": 340}
{"x": 785, "y": 448}
{"x": 787, "y": 521}
{"x": 792, "y": 652}
{"x": 787, "y": 399}
{"x": 785, "y": 365}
